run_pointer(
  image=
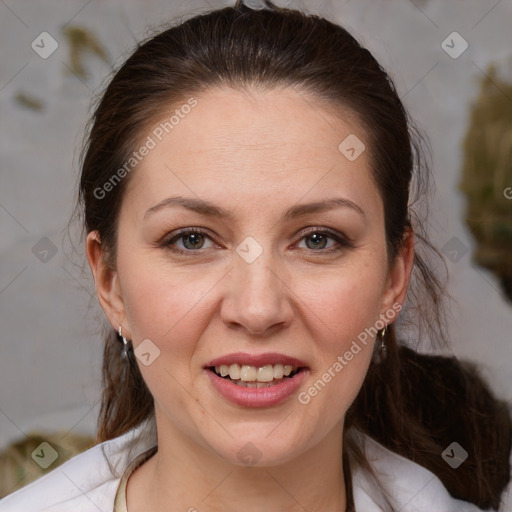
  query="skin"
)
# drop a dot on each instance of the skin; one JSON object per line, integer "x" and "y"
{"x": 255, "y": 153}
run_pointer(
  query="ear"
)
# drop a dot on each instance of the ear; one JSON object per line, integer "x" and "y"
{"x": 399, "y": 273}
{"x": 107, "y": 283}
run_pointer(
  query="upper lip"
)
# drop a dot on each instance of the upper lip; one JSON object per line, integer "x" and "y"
{"x": 257, "y": 360}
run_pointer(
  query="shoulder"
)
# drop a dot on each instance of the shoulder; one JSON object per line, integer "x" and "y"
{"x": 82, "y": 483}
{"x": 408, "y": 486}
{"x": 86, "y": 482}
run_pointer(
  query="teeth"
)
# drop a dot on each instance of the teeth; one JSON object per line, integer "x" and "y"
{"x": 253, "y": 375}
{"x": 265, "y": 373}
{"x": 234, "y": 372}
{"x": 278, "y": 371}
{"x": 254, "y": 384}
{"x": 248, "y": 373}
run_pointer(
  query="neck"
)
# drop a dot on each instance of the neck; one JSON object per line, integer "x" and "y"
{"x": 193, "y": 479}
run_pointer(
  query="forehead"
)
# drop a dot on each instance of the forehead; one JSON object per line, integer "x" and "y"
{"x": 253, "y": 119}
{"x": 251, "y": 141}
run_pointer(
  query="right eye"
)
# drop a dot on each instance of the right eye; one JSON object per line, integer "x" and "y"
{"x": 192, "y": 240}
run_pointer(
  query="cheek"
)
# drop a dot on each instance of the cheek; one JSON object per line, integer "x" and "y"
{"x": 341, "y": 311}
{"x": 342, "y": 304}
{"x": 167, "y": 307}
{"x": 160, "y": 302}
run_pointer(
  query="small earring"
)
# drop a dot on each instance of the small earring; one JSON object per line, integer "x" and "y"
{"x": 383, "y": 348}
{"x": 381, "y": 353}
{"x": 124, "y": 352}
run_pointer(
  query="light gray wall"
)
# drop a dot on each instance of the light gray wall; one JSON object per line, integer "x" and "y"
{"x": 50, "y": 347}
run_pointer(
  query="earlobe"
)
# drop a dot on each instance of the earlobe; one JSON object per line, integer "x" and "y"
{"x": 106, "y": 282}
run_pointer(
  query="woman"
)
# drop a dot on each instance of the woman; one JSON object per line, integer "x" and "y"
{"x": 245, "y": 190}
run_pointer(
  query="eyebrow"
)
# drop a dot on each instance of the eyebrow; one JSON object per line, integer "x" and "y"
{"x": 206, "y": 208}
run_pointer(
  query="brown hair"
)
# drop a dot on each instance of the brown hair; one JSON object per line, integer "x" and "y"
{"x": 239, "y": 47}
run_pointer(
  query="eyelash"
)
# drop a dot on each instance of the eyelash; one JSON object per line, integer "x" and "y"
{"x": 342, "y": 241}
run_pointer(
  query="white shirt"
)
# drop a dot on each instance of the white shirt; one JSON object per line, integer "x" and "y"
{"x": 86, "y": 484}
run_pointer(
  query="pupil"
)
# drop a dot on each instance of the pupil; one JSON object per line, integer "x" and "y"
{"x": 194, "y": 239}
{"x": 317, "y": 239}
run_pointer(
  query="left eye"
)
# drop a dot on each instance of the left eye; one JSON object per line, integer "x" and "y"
{"x": 319, "y": 239}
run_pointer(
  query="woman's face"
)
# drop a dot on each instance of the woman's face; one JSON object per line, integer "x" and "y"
{"x": 275, "y": 277}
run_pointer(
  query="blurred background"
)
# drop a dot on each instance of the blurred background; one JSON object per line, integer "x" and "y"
{"x": 452, "y": 65}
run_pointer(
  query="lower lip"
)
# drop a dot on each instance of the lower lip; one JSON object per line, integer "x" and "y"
{"x": 257, "y": 397}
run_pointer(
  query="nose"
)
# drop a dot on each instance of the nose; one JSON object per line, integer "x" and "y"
{"x": 257, "y": 299}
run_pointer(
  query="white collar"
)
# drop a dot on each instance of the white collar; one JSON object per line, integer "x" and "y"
{"x": 409, "y": 486}
{"x": 85, "y": 483}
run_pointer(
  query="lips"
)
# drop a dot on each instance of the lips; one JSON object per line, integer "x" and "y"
{"x": 256, "y": 380}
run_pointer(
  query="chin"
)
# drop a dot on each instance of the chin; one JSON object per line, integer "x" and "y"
{"x": 257, "y": 450}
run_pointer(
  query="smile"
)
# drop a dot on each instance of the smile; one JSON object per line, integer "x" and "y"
{"x": 256, "y": 380}
{"x": 255, "y": 377}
